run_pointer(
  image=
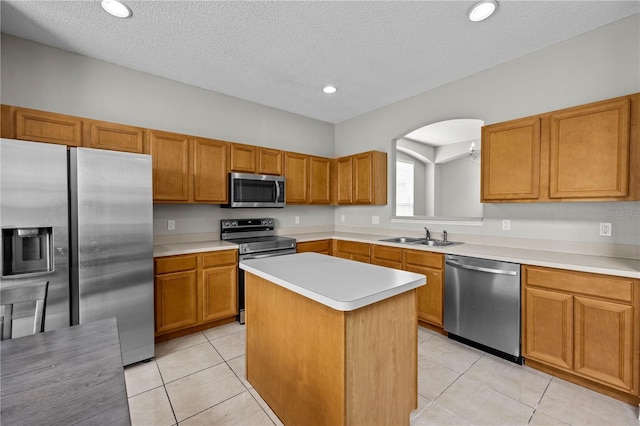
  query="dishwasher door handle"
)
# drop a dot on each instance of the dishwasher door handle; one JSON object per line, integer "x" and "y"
{"x": 480, "y": 268}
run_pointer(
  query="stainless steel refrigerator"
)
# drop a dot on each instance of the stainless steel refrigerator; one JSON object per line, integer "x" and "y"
{"x": 82, "y": 220}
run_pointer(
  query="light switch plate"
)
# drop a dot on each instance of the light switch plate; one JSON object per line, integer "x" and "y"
{"x": 297, "y": 220}
{"x": 506, "y": 225}
{"x": 605, "y": 229}
{"x": 171, "y": 225}
{"x": 375, "y": 220}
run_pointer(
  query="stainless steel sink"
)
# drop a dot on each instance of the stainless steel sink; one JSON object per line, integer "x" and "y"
{"x": 436, "y": 243}
{"x": 402, "y": 240}
{"x": 423, "y": 241}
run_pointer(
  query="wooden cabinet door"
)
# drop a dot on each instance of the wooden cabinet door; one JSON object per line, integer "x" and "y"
{"x": 219, "y": 292}
{"x": 511, "y": 160}
{"x": 431, "y": 295}
{"x": 175, "y": 297}
{"x": 363, "y": 178}
{"x": 210, "y": 171}
{"x": 170, "y": 157}
{"x": 344, "y": 190}
{"x": 296, "y": 170}
{"x": 603, "y": 336}
{"x": 41, "y": 126}
{"x": 116, "y": 137}
{"x": 548, "y": 327}
{"x": 319, "y": 180}
{"x": 589, "y": 151}
{"x": 270, "y": 161}
{"x": 243, "y": 158}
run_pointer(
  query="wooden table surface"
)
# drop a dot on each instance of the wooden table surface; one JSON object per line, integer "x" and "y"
{"x": 68, "y": 376}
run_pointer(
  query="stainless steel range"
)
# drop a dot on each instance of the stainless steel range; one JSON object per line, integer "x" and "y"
{"x": 256, "y": 239}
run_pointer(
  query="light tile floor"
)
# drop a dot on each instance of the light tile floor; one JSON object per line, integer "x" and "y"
{"x": 199, "y": 379}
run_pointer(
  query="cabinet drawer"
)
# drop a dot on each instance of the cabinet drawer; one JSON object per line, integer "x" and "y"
{"x": 176, "y": 263}
{"x": 322, "y": 246}
{"x": 603, "y": 286}
{"x": 216, "y": 258}
{"x": 389, "y": 254}
{"x": 424, "y": 258}
{"x": 353, "y": 247}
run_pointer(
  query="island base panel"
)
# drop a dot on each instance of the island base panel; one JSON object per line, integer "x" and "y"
{"x": 316, "y": 365}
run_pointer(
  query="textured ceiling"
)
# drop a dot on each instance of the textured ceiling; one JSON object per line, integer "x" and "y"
{"x": 281, "y": 54}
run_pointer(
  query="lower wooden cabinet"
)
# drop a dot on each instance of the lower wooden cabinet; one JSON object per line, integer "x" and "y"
{"x": 431, "y": 295}
{"x": 585, "y": 326}
{"x": 320, "y": 246}
{"x": 194, "y": 290}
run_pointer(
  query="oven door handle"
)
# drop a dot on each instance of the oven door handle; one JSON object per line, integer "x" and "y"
{"x": 263, "y": 255}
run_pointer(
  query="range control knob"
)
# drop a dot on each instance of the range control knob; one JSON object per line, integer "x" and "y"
{"x": 270, "y": 221}
{"x": 264, "y": 221}
{"x": 225, "y": 223}
{"x": 234, "y": 223}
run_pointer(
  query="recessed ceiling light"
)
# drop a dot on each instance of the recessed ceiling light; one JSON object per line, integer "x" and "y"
{"x": 115, "y": 8}
{"x": 329, "y": 89}
{"x": 482, "y": 10}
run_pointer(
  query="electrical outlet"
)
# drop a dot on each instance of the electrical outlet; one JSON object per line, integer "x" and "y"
{"x": 375, "y": 220}
{"x": 506, "y": 225}
{"x": 605, "y": 229}
{"x": 171, "y": 225}
{"x": 341, "y": 218}
{"x": 297, "y": 220}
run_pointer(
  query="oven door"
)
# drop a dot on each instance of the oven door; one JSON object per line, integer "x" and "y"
{"x": 241, "y": 275}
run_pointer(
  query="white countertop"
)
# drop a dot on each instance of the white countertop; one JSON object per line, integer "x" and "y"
{"x": 193, "y": 247}
{"x": 340, "y": 284}
{"x": 617, "y": 266}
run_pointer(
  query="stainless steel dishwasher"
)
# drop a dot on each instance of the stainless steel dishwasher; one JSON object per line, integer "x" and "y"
{"x": 482, "y": 304}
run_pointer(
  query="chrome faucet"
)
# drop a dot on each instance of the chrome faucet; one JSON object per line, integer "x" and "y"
{"x": 444, "y": 235}
{"x": 426, "y": 230}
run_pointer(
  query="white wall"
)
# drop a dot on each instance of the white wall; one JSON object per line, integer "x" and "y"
{"x": 41, "y": 77}
{"x": 601, "y": 64}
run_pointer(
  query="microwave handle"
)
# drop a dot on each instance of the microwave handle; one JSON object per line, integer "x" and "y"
{"x": 277, "y": 190}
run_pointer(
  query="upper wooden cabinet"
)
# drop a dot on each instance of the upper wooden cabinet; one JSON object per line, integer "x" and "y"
{"x": 511, "y": 160}
{"x": 296, "y": 172}
{"x": 344, "y": 180}
{"x": 170, "y": 158}
{"x": 589, "y": 151}
{"x": 585, "y": 153}
{"x": 319, "y": 180}
{"x": 307, "y": 178}
{"x": 243, "y": 158}
{"x": 41, "y": 126}
{"x": 269, "y": 161}
{"x": 116, "y": 137}
{"x": 209, "y": 168}
{"x": 362, "y": 179}
{"x": 188, "y": 169}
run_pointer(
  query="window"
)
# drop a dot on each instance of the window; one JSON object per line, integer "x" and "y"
{"x": 404, "y": 188}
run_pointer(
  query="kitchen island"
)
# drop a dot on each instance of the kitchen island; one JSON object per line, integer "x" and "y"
{"x": 332, "y": 341}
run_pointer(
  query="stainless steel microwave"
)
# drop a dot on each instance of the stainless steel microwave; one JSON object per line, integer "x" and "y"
{"x": 247, "y": 190}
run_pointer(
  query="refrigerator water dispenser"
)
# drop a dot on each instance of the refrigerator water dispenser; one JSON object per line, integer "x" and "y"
{"x": 27, "y": 251}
